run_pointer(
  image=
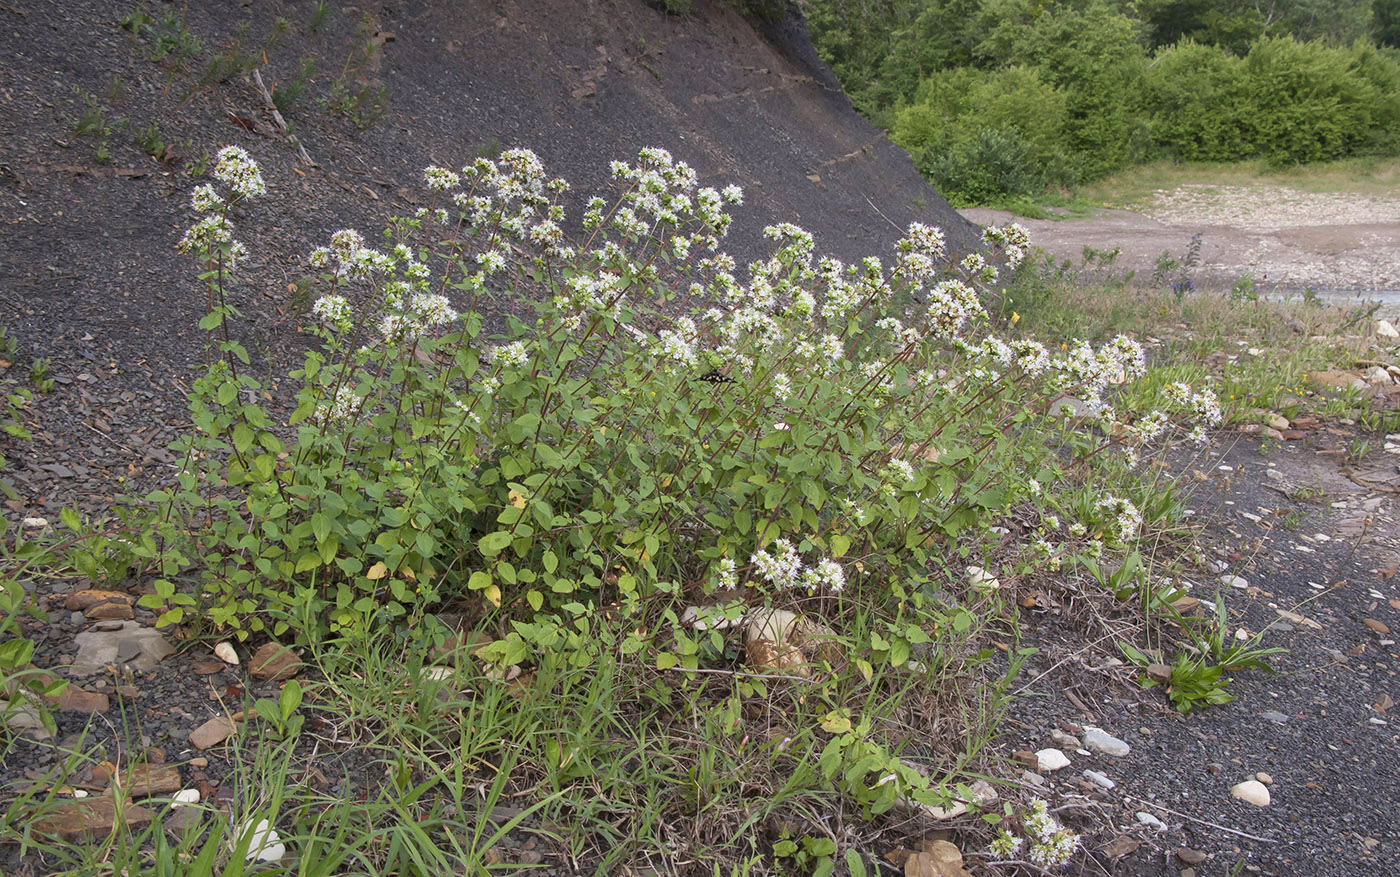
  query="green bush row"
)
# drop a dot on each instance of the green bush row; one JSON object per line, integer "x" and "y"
{"x": 1077, "y": 109}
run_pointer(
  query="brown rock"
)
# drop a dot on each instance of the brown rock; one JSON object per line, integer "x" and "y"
{"x": 1377, "y": 626}
{"x": 109, "y": 612}
{"x": 1159, "y": 673}
{"x": 207, "y": 668}
{"x": 1120, "y": 846}
{"x": 767, "y": 656}
{"x": 1026, "y": 759}
{"x": 75, "y": 700}
{"x": 938, "y": 858}
{"x": 89, "y": 818}
{"x": 1190, "y": 857}
{"x": 1185, "y": 604}
{"x": 199, "y": 762}
{"x": 1293, "y": 435}
{"x": 212, "y": 733}
{"x": 81, "y": 601}
{"x": 144, "y": 780}
{"x": 274, "y": 661}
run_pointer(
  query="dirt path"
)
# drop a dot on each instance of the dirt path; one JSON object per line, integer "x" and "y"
{"x": 1285, "y": 238}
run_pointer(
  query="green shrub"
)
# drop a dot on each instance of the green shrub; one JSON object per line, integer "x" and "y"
{"x": 1306, "y": 102}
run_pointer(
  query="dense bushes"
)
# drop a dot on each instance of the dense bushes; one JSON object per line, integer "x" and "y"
{"x": 1002, "y": 100}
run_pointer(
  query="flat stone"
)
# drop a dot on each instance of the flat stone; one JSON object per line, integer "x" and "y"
{"x": 1151, "y": 821}
{"x": 140, "y": 648}
{"x": 23, "y": 718}
{"x": 1048, "y": 760}
{"x": 1377, "y": 626}
{"x": 1102, "y": 742}
{"x": 109, "y": 611}
{"x": 1067, "y": 741}
{"x": 212, "y": 732}
{"x": 1274, "y": 716}
{"x": 75, "y": 700}
{"x": 1384, "y": 329}
{"x": 1190, "y": 857}
{"x": 182, "y": 821}
{"x": 207, "y": 668}
{"x": 89, "y": 818}
{"x": 274, "y": 661}
{"x": 144, "y": 780}
{"x": 1251, "y": 792}
{"x": 1233, "y": 581}
{"x": 85, "y": 599}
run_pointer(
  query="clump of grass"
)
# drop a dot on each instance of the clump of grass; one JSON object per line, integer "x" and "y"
{"x": 164, "y": 37}
{"x": 355, "y": 93}
{"x": 92, "y": 123}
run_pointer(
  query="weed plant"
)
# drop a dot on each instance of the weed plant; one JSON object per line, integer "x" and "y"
{"x": 581, "y": 466}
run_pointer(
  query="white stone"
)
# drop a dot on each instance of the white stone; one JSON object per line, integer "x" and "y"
{"x": 265, "y": 845}
{"x": 1386, "y": 330}
{"x": 979, "y": 578}
{"x": 1100, "y": 741}
{"x": 36, "y": 523}
{"x": 437, "y": 674}
{"x": 224, "y": 652}
{"x": 1151, "y": 821}
{"x": 184, "y": 797}
{"x": 1048, "y": 760}
{"x": 1251, "y": 792}
{"x": 1232, "y": 581}
{"x": 1099, "y": 779}
{"x": 79, "y": 793}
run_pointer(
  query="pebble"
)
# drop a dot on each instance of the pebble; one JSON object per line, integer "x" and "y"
{"x": 1190, "y": 857}
{"x": 1264, "y": 778}
{"x": 1377, "y": 626}
{"x": 212, "y": 733}
{"x": 1048, "y": 760}
{"x": 1100, "y": 741}
{"x": 1274, "y": 716}
{"x": 266, "y": 844}
{"x": 225, "y": 653}
{"x": 1099, "y": 779}
{"x": 1066, "y": 741}
{"x": 1151, "y": 821}
{"x": 1233, "y": 581}
{"x": 1251, "y": 792}
{"x": 183, "y": 797}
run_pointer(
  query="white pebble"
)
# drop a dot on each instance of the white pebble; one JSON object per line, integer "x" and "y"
{"x": 1047, "y": 760}
{"x": 183, "y": 797}
{"x": 1151, "y": 821}
{"x": 225, "y": 653}
{"x": 265, "y": 844}
{"x": 1251, "y": 792}
{"x": 1233, "y": 581}
{"x": 1099, "y": 779}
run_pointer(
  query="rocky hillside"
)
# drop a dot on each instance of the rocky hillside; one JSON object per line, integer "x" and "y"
{"x": 111, "y": 111}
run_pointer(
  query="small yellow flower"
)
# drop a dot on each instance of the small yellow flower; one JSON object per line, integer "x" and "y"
{"x": 1015, "y": 318}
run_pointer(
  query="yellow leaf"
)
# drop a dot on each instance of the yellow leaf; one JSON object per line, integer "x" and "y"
{"x": 517, "y": 498}
{"x": 836, "y": 723}
{"x": 493, "y": 594}
{"x": 409, "y": 574}
{"x": 377, "y": 572}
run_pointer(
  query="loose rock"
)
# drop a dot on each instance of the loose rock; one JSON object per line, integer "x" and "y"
{"x": 89, "y": 818}
{"x": 1099, "y": 779}
{"x": 274, "y": 661}
{"x": 1252, "y": 792}
{"x": 1151, "y": 821}
{"x": 212, "y": 732}
{"x": 1048, "y": 760}
{"x": 1190, "y": 857}
{"x": 139, "y": 647}
{"x": 1099, "y": 741}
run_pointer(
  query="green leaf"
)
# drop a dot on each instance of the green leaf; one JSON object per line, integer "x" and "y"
{"x": 211, "y": 321}
{"x": 243, "y": 437}
{"x": 290, "y": 699}
{"x": 840, "y": 544}
{"x": 551, "y": 563}
{"x": 854, "y": 864}
{"x": 70, "y": 519}
{"x": 535, "y": 599}
{"x": 493, "y": 544}
{"x": 479, "y": 581}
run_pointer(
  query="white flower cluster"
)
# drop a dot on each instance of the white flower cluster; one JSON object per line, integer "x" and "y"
{"x": 236, "y": 168}
{"x": 340, "y": 408}
{"x": 1129, "y": 518}
{"x": 783, "y": 569}
{"x": 1051, "y": 844}
{"x": 919, "y": 253}
{"x": 950, "y": 305}
{"x": 1013, "y": 239}
{"x": 333, "y": 309}
{"x": 512, "y": 354}
{"x": 678, "y": 345}
{"x": 726, "y": 575}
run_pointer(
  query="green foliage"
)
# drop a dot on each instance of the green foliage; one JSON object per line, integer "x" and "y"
{"x": 1010, "y": 98}
{"x": 164, "y": 37}
{"x": 93, "y": 123}
{"x": 355, "y": 94}
{"x": 21, "y": 685}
